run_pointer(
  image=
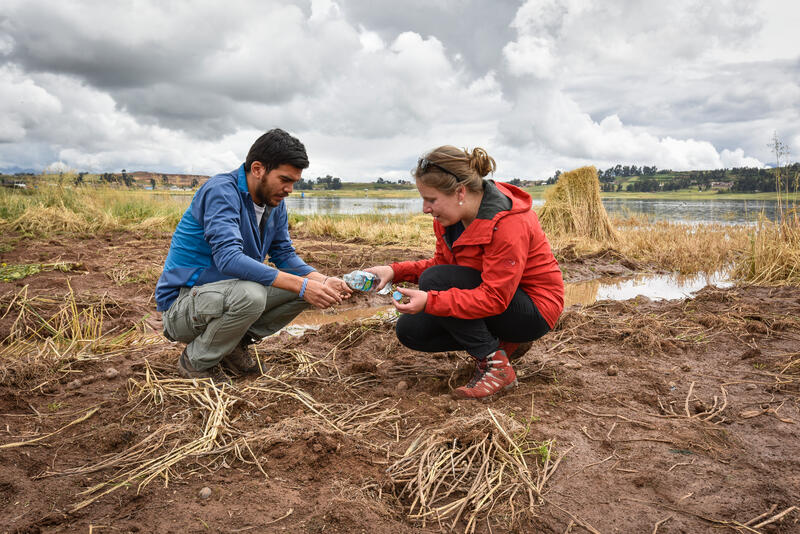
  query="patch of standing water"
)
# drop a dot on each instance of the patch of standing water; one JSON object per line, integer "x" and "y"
{"x": 653, "y": 286}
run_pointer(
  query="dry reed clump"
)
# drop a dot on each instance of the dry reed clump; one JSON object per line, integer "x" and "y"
{"x": 573, "y": 208}
{"x": 371, "y": 229}
{"x": 471, "y": 467}
{"x": 57, "y": 209}
{"x": 772, "y": 255}
{"x": 633, "y": 327}
{"x": 46, "y": 335}
{"x": 684, "y": 248}
{"x": 173, "y": 451}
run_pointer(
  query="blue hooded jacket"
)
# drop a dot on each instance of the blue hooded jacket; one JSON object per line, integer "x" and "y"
{"x": 218, "y": 239}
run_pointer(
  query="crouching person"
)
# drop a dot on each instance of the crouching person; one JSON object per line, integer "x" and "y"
{"x": 493, "y": 285}
{"x": 216, "y": 293}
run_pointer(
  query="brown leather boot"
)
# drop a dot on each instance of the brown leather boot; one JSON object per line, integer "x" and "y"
{"x": 216, "y": 374}
{"x": 241, "y": 360}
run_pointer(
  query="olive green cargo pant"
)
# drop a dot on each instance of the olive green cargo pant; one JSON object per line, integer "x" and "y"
{"x": 213, "y": 318}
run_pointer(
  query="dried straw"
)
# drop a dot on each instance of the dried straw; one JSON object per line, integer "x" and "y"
{"x": 573, "y": 208}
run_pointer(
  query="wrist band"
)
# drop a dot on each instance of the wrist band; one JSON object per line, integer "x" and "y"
{"x": 303, "y": 289}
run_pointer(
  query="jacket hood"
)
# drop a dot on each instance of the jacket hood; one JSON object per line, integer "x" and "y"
{"x": 499, "y": 200}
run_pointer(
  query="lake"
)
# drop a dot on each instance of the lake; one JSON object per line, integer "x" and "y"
{"x": 697, "y": 211}
{"x": 692, "y": 211}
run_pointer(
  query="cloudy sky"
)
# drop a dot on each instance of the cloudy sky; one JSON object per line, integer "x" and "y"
{"x": 369, "y": 85}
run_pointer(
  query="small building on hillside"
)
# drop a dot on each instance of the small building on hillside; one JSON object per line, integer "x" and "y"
{"x": 721, "y": 186}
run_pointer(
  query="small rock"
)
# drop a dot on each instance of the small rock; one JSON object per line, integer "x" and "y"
{"x": 451, "y": 406}
{"x": 74, "y": 384}
{"x": 573, "y": 365}
{"x": 750, "y": 387}
{"x": 268, "y": 419}
{"x": 612, "y": 370}
{"x": 316, "y": 447}
{"x": 401, "y": 386}
{"x": 88, "y": 379}
{"x": 111, "y": 373}
{"x": 685, "y": 368}
{"x": 750, "y": 353}
{"x": 699, "y": 406}
{"x": 205, "y": 493}
{"x": 672, "y": 386}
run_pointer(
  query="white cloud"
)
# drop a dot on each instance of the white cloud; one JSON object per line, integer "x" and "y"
{"x": 542, "y": 85}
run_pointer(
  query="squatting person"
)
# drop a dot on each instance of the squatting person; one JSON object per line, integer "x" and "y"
{"x": 216, "y": 293}
{"x": 493, "y": 284}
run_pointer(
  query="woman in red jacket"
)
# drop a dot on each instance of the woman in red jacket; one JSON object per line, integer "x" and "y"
{"x": 492, "y": 286}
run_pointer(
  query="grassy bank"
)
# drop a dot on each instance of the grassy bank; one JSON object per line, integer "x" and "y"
{"x": 768, "y": 253}
{"x": 48, "y": 210}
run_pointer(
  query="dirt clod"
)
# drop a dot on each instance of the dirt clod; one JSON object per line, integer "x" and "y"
{"x": 612, "y": 370}
{"x": 111, "y": 373}
{"x": 205, "y": 493}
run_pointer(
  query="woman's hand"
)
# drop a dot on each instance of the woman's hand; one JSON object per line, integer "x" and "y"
{"x": 416, "y": 303}
{"x": 338, "y": 285}
{"x": 384, "y": 273}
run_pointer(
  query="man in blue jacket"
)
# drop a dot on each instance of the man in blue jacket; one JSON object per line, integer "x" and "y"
{"x": 216, "y": 293}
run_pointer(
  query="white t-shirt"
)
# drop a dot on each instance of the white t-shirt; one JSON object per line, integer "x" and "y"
{"x": 259, "y": 212}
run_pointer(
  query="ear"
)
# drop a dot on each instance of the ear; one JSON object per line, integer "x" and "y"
{"x": 258, "y": 169}
{"x": 461, "y": 192}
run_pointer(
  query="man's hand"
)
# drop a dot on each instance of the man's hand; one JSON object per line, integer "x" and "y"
{"x": 384, "y": 272}
{"x": 321, "y": 295}
{"x": 417, "y": 300}
{"x": 339, "y": 286}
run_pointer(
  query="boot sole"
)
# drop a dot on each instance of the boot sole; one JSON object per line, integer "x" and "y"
{"x": 487, "y": 398}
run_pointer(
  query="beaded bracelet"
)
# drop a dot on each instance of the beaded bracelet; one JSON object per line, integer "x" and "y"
{"x": 303, "y": 289}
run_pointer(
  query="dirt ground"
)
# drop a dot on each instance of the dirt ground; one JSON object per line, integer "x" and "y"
{"x": 633, "y": 416}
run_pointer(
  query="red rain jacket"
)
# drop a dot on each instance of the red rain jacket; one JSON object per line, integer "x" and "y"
{"x": 507, "y": 245}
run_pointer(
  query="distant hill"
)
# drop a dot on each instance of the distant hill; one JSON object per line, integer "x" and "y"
{"x": 143, "y": 178}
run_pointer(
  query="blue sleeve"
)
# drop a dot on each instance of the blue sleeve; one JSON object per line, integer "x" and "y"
{"x": 218, "y": 209}
{"x": 281, "y": 252}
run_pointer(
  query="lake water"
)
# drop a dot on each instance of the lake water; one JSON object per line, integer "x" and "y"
{"x": 695, "y": 211}
{"x": 692, "y": 211}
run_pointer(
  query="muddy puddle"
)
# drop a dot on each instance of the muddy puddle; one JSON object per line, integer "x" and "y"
{"x": 652, "y": 286}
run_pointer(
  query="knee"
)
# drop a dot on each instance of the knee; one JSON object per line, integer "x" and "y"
{"x": 405, "y": 329}
{"x": 435, "y": 278}
{"x": 248, "y": 299}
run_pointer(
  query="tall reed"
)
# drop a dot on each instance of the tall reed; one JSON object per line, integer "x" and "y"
{"x": 53, "y": 209}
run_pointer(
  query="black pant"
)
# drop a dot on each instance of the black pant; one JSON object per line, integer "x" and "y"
{"x": 520, "y": 322}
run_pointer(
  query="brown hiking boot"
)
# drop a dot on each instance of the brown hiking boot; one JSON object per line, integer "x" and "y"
{"x": 493, "y": 375}
{"x": 241, "y": 361}
{"x": 515, "y": 350}
{"x": 216, "y": 374}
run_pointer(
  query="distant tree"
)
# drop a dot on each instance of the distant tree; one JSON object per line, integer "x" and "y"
{"x": 164, "y": 179}
{"x": 79, "y": 178}
{"x": 554, "y": 178}
{"x": 303, "y": 184}
{"x": 195, "y": 183}
{"x": 336, "y": 183}
{"x": 515, "y": 181}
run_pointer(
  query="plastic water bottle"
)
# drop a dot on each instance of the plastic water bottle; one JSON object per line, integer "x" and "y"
{"x": 361, "y": 280}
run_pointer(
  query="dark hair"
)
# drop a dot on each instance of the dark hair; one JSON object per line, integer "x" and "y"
{"x": 446, "y": 167}
{"x": 276, "y": 148}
